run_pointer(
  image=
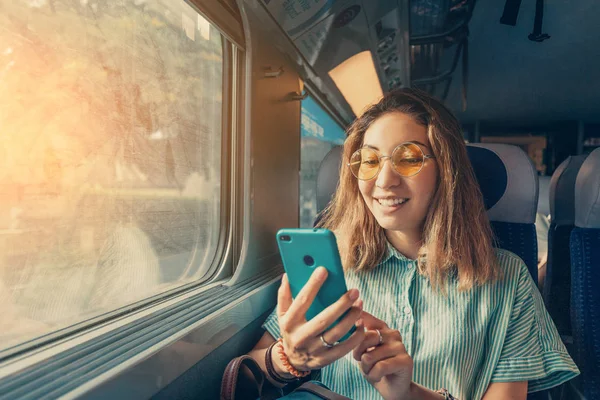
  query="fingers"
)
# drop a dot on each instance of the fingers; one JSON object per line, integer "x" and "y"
{"x": 371, "y": 358}
{"x": 373, "y": 323}
{"x": 337, "y": 332}
{"x": 284, "y": 297}
{"x": 322, "y": 356}
{"x": 329, "y": 355}
{"x": 371, "y": 340}
{"x": 343, "y": 327}
{"x": 389, "y": 366}
{"x": 323, "y": 321}
{"x": 297, "y": 310}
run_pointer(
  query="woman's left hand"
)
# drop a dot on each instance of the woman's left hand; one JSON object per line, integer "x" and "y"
{"x": 385, "y": 363}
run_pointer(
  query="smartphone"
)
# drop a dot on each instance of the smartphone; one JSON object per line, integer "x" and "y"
{"x": 303, "y": 250}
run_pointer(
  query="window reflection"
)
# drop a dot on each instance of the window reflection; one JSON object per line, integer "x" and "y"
{"x": 319, "y": 134}
{"x": 109, "y": 157}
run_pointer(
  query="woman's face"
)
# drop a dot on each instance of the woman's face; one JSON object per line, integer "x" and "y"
{"x": 381, "y": 194}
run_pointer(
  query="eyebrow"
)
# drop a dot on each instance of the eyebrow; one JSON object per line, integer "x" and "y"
{"x": 410, "y": 141}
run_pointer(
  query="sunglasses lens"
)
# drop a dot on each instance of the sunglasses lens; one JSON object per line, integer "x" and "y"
{"x": 364, "y": 164}
{"x": 408, "y": 159}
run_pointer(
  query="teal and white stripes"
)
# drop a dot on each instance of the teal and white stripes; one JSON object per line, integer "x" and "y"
{"x": 462, "y": 341}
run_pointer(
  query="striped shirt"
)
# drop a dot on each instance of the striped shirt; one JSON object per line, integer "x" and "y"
{"x": 461, "y": 341}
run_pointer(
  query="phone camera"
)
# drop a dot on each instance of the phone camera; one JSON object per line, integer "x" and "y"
{"x": 285, "y": 238}
{"x": 308, "y": 260}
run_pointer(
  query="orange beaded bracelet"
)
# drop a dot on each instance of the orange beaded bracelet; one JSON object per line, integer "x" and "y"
{"x": 286, "y": 362}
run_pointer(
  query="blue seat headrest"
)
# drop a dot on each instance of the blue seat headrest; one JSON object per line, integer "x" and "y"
{"x": 562, "y": 191}
{"x": 508, "y": 181}
{"x": 587, "y": 192}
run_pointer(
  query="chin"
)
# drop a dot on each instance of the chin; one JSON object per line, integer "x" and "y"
{"x": 392, "y": 224}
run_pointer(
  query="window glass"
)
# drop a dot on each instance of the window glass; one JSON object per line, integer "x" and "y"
{"x": 319, "y": 133}
{"x": 110, "y": 161}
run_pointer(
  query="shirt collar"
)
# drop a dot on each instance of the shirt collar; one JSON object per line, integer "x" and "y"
{"x": 391, "y": 251}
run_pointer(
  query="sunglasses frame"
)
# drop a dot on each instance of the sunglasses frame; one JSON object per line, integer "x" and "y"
{"x": 382, "y": 158}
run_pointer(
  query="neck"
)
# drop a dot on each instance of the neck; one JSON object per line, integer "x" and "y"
{"x": 407, "y": 243}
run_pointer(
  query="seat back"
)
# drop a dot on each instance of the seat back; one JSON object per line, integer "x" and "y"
{"x": 557, "y": 285}
{"x": 585, "y": 274}
{"x": 509, "y": 184}
{"x": 328, "y": 177}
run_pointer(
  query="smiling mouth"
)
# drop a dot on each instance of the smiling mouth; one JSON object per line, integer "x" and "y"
{"x": 392, "y": 202}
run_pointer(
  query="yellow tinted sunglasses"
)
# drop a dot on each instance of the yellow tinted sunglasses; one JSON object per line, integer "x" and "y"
{"x": 407, "y": 159}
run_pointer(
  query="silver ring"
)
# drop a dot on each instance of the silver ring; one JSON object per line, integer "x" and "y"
{"x": 380, "y": 337}
{"x": 327, "y": 344}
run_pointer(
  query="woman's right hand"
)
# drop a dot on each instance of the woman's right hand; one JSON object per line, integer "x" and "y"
{"x": 301, "y": 338}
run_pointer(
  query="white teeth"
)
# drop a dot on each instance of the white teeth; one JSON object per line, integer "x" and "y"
{"x": 391, "y": 202}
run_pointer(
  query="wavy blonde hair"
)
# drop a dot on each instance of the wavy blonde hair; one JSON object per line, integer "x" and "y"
{"x": 457, "y": 236}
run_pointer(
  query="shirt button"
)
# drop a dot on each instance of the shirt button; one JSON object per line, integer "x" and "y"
{"x": 407, "y": 310}
{"x": 410, "y": 265}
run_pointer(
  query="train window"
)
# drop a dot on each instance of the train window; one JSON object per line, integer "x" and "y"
{"x": 110, "y": 164}
{"x": 319, "y": 133}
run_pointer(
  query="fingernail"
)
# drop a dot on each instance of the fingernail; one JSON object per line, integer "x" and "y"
{"x": 284, "y": 279}
{"x": 353, "y": 294}
{"x": 321, "y": 273}
{"x": 359, "y": 323}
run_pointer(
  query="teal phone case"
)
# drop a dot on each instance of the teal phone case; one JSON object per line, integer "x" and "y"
{"x": 303, "y": 250}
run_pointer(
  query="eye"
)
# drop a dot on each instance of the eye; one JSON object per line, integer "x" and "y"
{"x": 371, "y": 163}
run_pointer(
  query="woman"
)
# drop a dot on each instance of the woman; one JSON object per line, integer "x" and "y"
{"x": 440, "y": 307}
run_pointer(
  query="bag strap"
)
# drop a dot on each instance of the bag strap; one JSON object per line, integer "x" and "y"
{"x": 231, "y": 376}
{"x": 320, "y": 391}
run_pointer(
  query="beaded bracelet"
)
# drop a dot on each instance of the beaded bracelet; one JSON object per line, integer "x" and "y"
{"x": 286, "y": 362}
{"x": 271, "y": 369}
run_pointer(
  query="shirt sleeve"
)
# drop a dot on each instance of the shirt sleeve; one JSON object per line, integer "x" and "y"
{"x": 271, "y": 324}
{"x": 533, "y": 350}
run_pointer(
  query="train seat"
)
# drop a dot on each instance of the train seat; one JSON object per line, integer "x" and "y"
{"x": 585, "y": 275}
{"x": 557, "y": 286}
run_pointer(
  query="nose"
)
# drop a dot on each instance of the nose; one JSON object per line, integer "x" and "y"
{"x": 387, "y": 177}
